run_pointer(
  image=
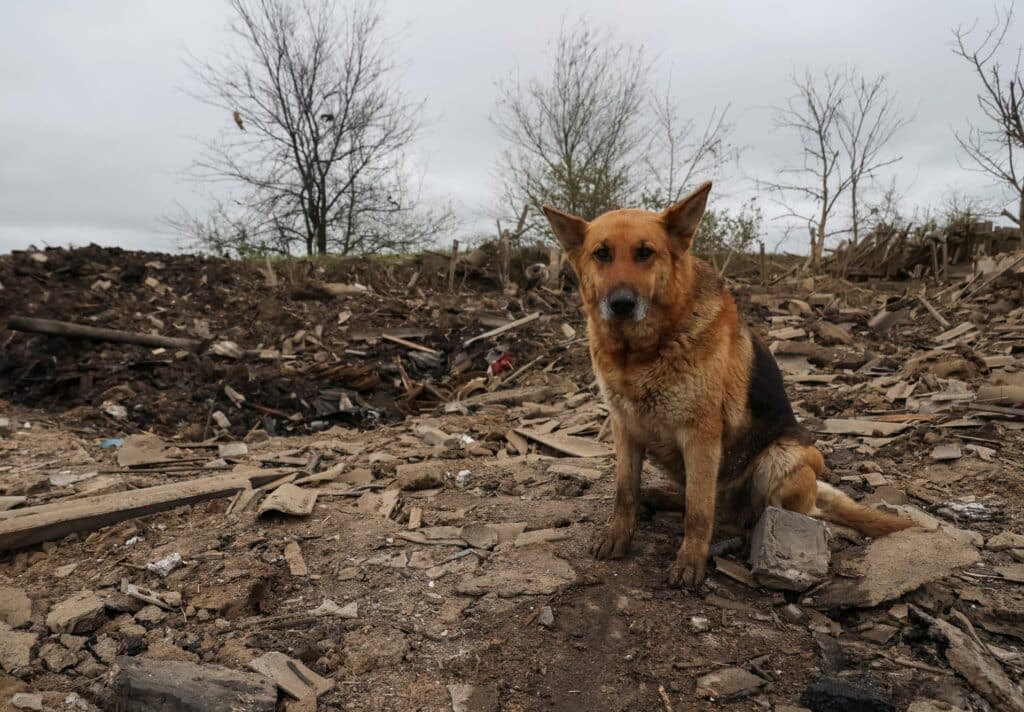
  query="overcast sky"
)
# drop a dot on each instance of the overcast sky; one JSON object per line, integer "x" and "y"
{"x": 97, "y": 127}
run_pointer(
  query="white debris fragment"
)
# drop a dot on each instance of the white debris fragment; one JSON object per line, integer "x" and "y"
{"x": 166, "y": 565}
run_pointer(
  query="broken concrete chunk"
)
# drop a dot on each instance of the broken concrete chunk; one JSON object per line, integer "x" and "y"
{"x": 538, "y": 536}
{"x": 419, "y": 476}
{"x": 530, "y": 570}
{"x": 150, "y": 615}
{"x": 883, "y": 321}
{"x": 229, "y": 451}
{"x": 479, "y": 535}
{"x": 296, "y": 562}
{"x": 105, "y": 648}
{"x": 729, "y": 683}
{"x": 27, "y": 701}
{"x": 588, "y": 474}
{"x": 474, "y": 698}
{"x": 789, "y": 551}
{"x": 508, "y": 531}
{"x": 568, "y": 444}
{"x": 291, "y": 675}
{"x": 166, "y": 565}
{"x": 142, "y": 449}
{"x": 943, "y": 453}
{"x": 433, "y": 436}
{"x": 146, "y": 685}
{"x": 81, "y": 613}
{"x": 893, "y": 565}
{"x": 330, "y": 608}
{"x": 15, "y": 648}
{"x": 1002, "y": 541}
{"x": 15, "y": 606}
{"x": 289, "y": 499}
{"x": 1011, "y": 572}
{"x": 930, "y": 523}
{"x": 881, "y": 633}
{"x": 831, "y": 334}
{"x": 57, "y": 658}
{"x": 380, "y": 503}
{"x": 546, "y": 617}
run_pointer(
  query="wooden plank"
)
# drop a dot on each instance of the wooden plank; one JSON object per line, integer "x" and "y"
{"x": 943, "y": 322}
{"x": 501, "y": 329}
{"x": 11, "y": 501}
{"x": 144, "y": 685}
{"x": 866, "y": 428}
{"x": 410, "y": 344}
{"x": 46, "y": 522}
{"x": 404, "y": 332}
{"x": 514, "y": 396}
{"x": 955, "y": 332}
{"x": 569, "y": 444}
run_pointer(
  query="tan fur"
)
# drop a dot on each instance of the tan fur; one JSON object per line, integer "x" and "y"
{"x": 677, "y": 380}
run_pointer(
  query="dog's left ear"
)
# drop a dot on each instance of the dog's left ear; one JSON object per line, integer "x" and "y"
{"x": 569, "y": 229}
{"x": 682, "y": 219}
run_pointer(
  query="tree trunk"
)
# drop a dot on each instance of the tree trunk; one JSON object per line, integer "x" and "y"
{"x": 854, "y": 214}
{"x": 321, "y": 239}
{"x": 1020, "y": 218}
{"x": 818, "y": 243}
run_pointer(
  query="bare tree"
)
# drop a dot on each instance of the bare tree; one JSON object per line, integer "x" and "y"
{"x": 845, "y": 123}
{"x": 679, "y": 151}
{"x": 320, "y": 123}
{"x": 996, "y": 146}
{"x": 575, "y": 135}
{"x": 868, "y": 120}
{"x": 810, "y": 190}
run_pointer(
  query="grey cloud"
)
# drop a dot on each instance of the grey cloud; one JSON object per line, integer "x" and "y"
{"x": 96, "y": 128}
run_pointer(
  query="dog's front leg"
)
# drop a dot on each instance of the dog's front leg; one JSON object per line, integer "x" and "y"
{"x": 702, "y": 450}
{"x": 629, "y": 456}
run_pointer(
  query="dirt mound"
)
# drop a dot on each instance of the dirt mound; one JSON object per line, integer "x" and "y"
{"x": 312, "y": 344}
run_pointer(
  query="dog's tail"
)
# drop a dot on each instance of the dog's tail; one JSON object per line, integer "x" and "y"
{"x": 836, "y": 506}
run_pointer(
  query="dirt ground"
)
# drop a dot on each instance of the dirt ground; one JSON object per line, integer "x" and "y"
{"x": 444, "y": 564}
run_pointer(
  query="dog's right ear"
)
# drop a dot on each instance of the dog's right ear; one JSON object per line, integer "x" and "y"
{"x": 569, "y": 229}
{"x": 682, "y": 219}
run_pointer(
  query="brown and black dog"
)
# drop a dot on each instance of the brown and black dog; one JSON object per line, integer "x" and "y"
{"x": 689, "y": 386}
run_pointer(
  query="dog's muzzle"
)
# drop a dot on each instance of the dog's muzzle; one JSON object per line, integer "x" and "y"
{"x": 623, "y": 304}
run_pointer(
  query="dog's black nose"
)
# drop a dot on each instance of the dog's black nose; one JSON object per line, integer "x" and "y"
{"x": 622, "y": 303}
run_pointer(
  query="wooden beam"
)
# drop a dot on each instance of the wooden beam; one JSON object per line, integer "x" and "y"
{"x": 93, "y": 333}
{"x": 501, "y": 329}
{"x": 410, "y": 344}
{"x": 568, "y": 444}
{"x": 32, "y": 525}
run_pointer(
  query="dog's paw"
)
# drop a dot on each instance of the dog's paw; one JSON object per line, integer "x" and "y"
{"x": 686, "y": 573}
{"x": 613, "y": 543}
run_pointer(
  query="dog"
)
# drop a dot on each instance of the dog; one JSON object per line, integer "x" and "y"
{"x": 691, "y": 387}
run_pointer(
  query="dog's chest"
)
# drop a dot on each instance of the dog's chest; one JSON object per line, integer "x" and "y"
{"x": 656, "y": 401}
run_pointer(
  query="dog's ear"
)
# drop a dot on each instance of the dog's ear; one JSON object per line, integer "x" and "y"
{"x": 682, "y": 219}
{"x": 569, "y": 229}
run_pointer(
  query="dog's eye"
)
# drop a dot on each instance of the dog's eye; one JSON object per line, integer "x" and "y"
{"x": 603, "y": 254}
{"x": 644, "y": 253}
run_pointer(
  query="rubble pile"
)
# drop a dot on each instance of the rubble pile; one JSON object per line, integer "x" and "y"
{"x": 247, "y": 347}
{"x": 922, "y": 251}
{"x": 436, "y": 557}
